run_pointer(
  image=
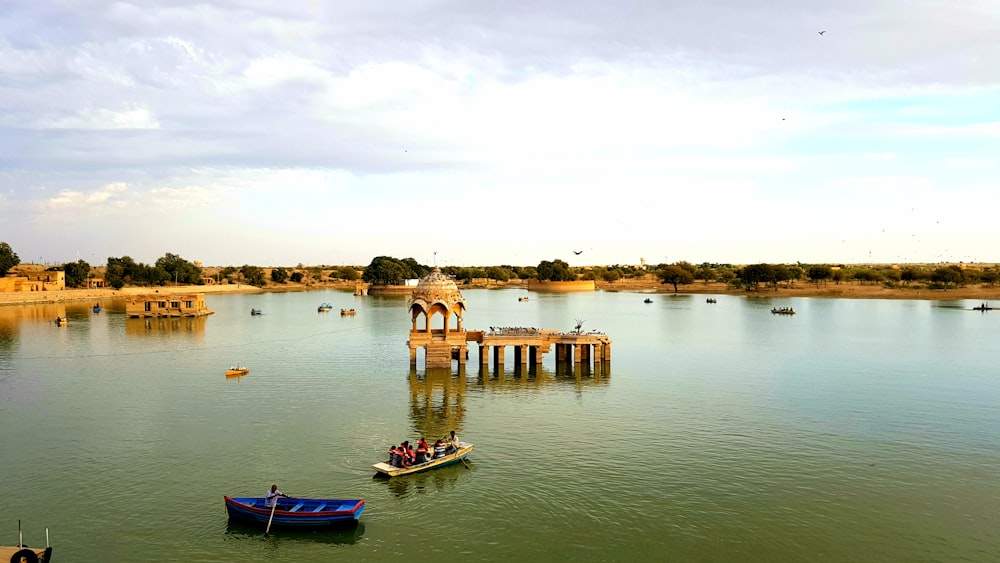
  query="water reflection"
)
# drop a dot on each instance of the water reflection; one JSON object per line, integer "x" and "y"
{"x": 345, "y": 533}
{"x": 437, "y": 402}
{"x": 441, "y": 479}
{"x": 538, "y": 377}
{"x": 166, "y": 325}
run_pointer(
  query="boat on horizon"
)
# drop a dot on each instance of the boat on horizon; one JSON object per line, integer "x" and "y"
{"x": 384, "y": 468}
{"x": 782, "y": 311}
{"x": 299, "y": 512}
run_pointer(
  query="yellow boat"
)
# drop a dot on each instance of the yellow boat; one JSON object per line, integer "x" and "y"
{"x": 392, "y": 471}
{"x": 237, "y": 371}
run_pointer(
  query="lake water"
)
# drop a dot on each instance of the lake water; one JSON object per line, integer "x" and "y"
{"x": 855, "y": 430}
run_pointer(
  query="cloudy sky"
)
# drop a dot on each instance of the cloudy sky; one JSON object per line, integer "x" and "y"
{"x": 331, "y": 132}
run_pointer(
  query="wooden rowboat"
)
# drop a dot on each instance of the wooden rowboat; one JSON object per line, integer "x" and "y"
{"x": 307, "y": 512}
{"x": 391, "y": 471}
{"x": 22, "y": 553}
{"x": 347, "y": 312}
{"x": 237, "y": 371}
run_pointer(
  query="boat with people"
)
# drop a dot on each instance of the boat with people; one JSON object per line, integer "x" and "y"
{"x": 237, "y": 370}
{"x": 347, "y": 312}
{"x": 324, "y": 307}
{"x": 97, "y": 307}
{"x": 254, "y": 312}
{"x": 21, "y": 553}
{"x": 61, "y": 321}
{"x": 647, "y": 300}
{"x": 301, "y": 512}
{"x": 711, "y": 300}
{"x": 522, "y": 298}
{"x": 389, "y": 470}
{"x": 982, "y": 307}
{"x": 782, "y": 311}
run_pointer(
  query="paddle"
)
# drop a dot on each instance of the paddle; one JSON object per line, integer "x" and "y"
{"x": 271, "y": 518}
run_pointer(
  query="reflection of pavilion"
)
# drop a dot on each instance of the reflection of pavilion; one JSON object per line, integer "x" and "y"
{"x": 436, "y": 402}
{"x": 437, "y": 294}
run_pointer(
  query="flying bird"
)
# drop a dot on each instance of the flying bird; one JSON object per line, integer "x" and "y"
{"x": 578, "y": 252}
{"x": 822, "y": 32}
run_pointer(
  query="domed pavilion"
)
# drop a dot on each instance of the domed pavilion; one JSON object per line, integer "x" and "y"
{"x": 437, "y": 294}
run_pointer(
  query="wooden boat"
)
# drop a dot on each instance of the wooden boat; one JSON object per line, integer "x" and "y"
{"x": 782, "y": 311}
{"x": 323, "y": 307}
{"x": 647, "y": 300}
{"x": 62, "y": 321}
{"x": 711, "y": 300}
{"x": 522, "y": 298}
{"x": 22, "y": 553}
{"x": 97, "y": 307}
{"x": 308, "y": 512}
{"x": 256, "y": 312}
{"x": 236, "y": 371}
{"x": 983, "y": 307}
{"x": 391, "y": 471}
{"x": 347, "y": 312}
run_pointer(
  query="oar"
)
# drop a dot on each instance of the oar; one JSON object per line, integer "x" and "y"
{"x": 272, "y": 517}
{"x": 465, "y": 463}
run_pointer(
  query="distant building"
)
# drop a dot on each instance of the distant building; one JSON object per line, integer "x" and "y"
{"x": 167, "y": 306}
{"x": 34, "y": 280}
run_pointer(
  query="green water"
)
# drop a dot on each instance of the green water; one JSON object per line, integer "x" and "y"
{"x": 852, "y": 431}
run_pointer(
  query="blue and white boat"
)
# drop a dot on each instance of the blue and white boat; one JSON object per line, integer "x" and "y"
{"x": 309, "y": 512}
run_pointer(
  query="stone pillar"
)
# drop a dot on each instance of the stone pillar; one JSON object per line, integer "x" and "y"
{"x": 484, "y": 354}
{"x": 578, "y": 353}
{"x": 498, "y": 353}
{"x": 463, "y": 352}
{"x": 413, "y": 356}
{"x": 561, "y": 350}
{"x": 522, "y": 354}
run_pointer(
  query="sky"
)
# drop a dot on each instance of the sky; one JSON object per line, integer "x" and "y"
{"x": 480, "y": 132}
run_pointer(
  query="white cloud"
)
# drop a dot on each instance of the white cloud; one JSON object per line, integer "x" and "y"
{"x": 99, "y": 118}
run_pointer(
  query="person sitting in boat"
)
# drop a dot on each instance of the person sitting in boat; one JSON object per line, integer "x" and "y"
{"x": 410, "y": 455}
{"x": 395, "y": 459}
{"x": 452, "y": 443}
{"x": 422, "y": 450}
{"x": 272, "y": 496}
{"x": 439, "y": 449}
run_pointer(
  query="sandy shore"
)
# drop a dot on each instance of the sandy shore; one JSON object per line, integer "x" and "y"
{"x": 68, "y": 295}
{"x": 800, "y": 289}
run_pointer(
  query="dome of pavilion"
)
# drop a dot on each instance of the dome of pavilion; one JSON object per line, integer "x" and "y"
{"x": 436, "y": 288}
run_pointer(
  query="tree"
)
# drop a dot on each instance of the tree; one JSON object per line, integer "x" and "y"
{"x": 296, "y": 277}
{"x": 179, "y": 270}
{"x": 252, "y": 275}
{"x": 386, "y": 270}
{"x": 676, "y": 275}
{"x": 8, "y": 258}
{"x": 947, "y": 275}
{"x": 279, "y": 275}
{"x": 819, "y": 273}
{"x": 557, "y": 270}
{"x": 76, "y": 273}
{"x": 755, "y": 274}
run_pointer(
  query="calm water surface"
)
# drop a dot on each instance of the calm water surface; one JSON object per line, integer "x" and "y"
{"x": 853, "y": 431}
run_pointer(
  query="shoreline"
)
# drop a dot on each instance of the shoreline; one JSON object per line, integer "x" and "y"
{"x": 828, "y": 291}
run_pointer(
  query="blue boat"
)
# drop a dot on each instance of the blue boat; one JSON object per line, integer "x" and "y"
{"x": 309, "y": 512}
{"x": 256, "y": 312}
{"x": 97, "y": 307}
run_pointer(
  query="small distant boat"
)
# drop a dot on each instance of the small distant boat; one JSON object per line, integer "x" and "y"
{"x": 711, "y": 300}
{"x": 522, "y": 298}
{"x": 647, "y": 300}
{"x": 23, "y": 553}
{"x": 982, "y": 307}
{"x": 61, "y": 321}
{"x": 782, "y": 311}
{"x": 347, "y": 312}
{"x": 256, "y": 312}
{"x": 97, "y": 307}
{"x": 323, "y": 307}
{"x": 309, "y": 512}
{"x": 392, "y": 471}
{"x": 237, "y": 371}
